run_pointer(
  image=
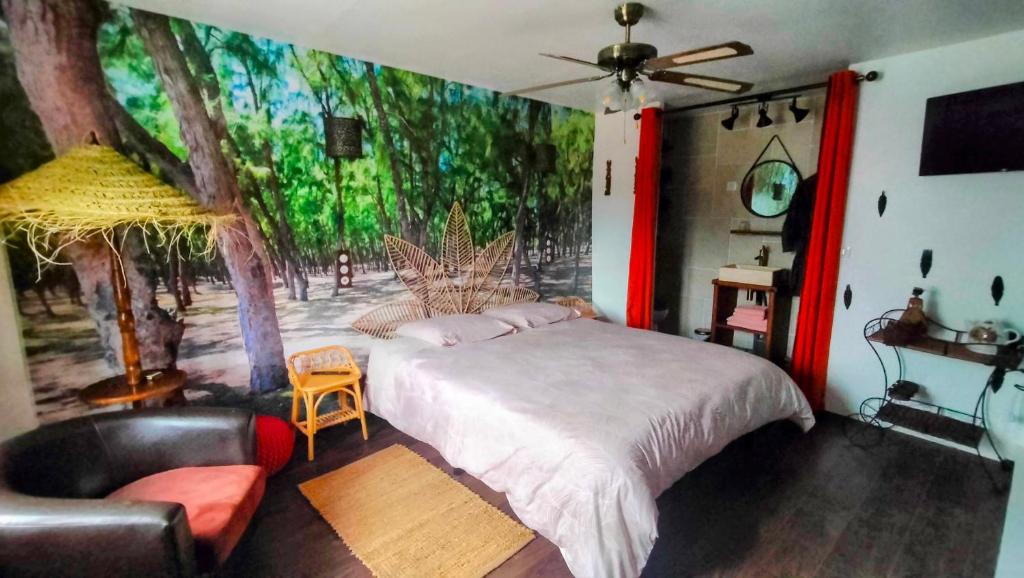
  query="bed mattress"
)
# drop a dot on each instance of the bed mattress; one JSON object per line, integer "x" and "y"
{"x": 582, "y": 424}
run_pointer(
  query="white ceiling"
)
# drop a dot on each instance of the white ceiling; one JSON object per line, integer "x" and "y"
{"x": 494, "y": 43}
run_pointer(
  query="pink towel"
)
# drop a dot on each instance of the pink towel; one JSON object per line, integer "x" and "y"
{"x": 755, "y": 324}
{"x": 751, "y": 316}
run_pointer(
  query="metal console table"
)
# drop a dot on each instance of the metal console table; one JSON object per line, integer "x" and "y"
{"x": 894, "y": 407}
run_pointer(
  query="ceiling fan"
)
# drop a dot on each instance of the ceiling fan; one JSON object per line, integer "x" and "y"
{"x": 628, "y": 61}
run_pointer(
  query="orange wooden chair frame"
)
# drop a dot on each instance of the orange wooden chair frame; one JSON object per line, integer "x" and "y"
{"x": 314, "y": 375}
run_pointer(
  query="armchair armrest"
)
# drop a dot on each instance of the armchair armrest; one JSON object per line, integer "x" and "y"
{"x": 52, "y": 537}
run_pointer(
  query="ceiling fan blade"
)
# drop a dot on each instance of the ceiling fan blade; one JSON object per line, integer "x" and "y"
{"x": 706, "y": 54}
{"x": 575, "y": 60}
{"x": 700, "y": 81}
{"x": 554, "y": 85}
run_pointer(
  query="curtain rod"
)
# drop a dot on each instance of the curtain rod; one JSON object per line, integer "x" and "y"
{"x": 766, "y": 96}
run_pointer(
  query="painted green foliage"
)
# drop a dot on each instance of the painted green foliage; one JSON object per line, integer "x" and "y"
{"x": 451, "y": 142}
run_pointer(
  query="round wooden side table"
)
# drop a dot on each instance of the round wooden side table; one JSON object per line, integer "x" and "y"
{"x": 156, "y": 383}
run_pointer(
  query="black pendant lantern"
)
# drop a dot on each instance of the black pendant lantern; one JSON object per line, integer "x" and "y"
{"x": 343, "y": 137}
{"x": 547, "y": 158}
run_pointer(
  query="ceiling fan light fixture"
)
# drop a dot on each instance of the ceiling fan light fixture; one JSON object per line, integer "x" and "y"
{"x": 798, "y": 113}
{"x": 610, "y": 97}
{"x": 763, "y": 119}
{"x": 730, "y": 122}
{"x": 641, "y": 94}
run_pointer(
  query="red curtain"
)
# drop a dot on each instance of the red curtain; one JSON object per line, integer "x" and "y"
{"x": 818, "y": 296}
{"x": 640, "y": 292}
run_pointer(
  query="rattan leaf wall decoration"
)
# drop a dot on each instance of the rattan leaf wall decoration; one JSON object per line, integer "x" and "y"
{"x": 384, "y": 320}
{"x": 457, "y": 254}
{"x": 490, "y": 269}
{"x": 464, "y": 281}
{"x": 420, "y": 274}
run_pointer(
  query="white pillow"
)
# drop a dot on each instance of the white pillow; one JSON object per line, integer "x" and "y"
{"x": 530, "y": 315}
{"x": 448, "y": 330}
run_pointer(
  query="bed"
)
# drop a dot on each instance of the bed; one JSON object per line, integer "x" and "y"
{"x": 582, "y": 424}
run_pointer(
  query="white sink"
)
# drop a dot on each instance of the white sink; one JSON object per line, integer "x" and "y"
{"x": 751, "y": 274}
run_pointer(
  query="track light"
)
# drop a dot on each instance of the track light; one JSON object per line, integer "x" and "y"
{"x": 763, "y": 119}
{"x": 798, "y": 113}
{"x": 728, "y": 123}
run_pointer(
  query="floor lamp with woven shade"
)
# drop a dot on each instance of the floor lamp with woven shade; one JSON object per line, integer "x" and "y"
{"x": 94, "y": 191}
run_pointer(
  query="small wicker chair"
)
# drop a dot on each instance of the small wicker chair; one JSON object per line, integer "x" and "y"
{"x": 314, "y": 375}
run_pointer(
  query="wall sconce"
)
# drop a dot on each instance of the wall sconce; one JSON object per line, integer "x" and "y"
{"x": 798, "y": 113}
{"x": 730, "y": 122}
{"x": 763, "y": 119}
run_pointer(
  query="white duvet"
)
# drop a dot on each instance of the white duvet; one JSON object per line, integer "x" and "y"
{"x": 581, "y": 424}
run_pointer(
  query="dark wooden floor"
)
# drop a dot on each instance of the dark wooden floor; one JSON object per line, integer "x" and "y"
{"x": 775, "y": 503}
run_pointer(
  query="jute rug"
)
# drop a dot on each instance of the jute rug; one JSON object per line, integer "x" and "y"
{"x": 404, "y": 518}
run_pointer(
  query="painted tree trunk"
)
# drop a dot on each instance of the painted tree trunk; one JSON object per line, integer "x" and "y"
{"x": 576, "y": 235}
{"x": 518, "y": 256}
{"x": 186, "y": 278}
{"x": 206, "y": 81}
{"x": 382, "y": 212}
{"x": 160, "y": 159}
{"x": 389, "y": 142}
{"x": 158, "y": 335}
{"x": 206, "y": 77}
{"x": 289, "y": 249}
{"x": 276, "y": 261}
{"x": 174, "y": 283}
{"x": 218, "y": 190}
{"x": 58, "y": 66}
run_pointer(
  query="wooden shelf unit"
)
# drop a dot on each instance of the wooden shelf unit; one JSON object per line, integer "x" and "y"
{"x": 776, "y": 335}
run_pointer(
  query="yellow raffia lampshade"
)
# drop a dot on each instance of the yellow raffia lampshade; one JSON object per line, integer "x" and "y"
{"x": 90, "y": 191}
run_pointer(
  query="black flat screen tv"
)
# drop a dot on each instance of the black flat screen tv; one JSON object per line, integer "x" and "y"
{"x": 981, "y": 131}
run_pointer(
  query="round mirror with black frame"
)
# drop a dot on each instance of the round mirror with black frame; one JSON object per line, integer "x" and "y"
{"x": 768, "y": 188}
{"x": 769, "y": 185}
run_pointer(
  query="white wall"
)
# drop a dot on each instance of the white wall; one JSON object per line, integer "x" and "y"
{"x": 973, "y": 223}
{"x": 617, "y": 141}
{"x": 17, "y": 410}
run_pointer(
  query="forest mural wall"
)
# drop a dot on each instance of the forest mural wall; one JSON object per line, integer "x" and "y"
{"x": 237, "y": 122}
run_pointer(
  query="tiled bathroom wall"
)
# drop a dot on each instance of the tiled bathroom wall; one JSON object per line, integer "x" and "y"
{"x": 703, "y": 166}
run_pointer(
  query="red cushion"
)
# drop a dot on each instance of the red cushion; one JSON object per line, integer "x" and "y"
{"x": 275, "y": 441}
{"x": 219, "y": 502}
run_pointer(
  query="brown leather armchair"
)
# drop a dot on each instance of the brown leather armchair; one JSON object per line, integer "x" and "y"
{"x": 53, "y": 520}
